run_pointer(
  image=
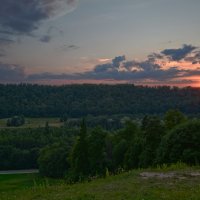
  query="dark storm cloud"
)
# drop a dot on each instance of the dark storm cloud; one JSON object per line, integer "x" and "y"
{"x": 22, "y": 17}
{"x": 11, "y": 73}
{"x": 179, "y": 54}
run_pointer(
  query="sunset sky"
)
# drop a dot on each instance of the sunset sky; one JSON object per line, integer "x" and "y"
{"x": 149, "y": 42}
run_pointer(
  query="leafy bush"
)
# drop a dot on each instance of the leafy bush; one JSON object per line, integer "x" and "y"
{"x": 173, "y": 118}
{"x": 181, "y": 144}
{"x": 16, "y": 121}
{"x": 53, "y": 161}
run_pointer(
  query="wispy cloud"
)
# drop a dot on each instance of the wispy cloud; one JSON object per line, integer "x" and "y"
{"x": 68, "y": 47}
{"x": 104, "y": 60}
{"x": 45, "y": 38}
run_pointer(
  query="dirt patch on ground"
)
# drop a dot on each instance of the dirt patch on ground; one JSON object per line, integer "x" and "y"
{"x": 162, "y": 175}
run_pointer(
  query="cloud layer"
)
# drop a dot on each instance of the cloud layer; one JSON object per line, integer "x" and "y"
{"x": 154, "y": 69}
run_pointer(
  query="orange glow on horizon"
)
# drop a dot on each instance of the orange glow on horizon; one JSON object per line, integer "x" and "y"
{"x": 182, "y": 65}
{"x": 151, "y": 83}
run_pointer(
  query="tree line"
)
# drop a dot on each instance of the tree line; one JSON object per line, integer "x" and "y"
{"x": 81, "y": 100}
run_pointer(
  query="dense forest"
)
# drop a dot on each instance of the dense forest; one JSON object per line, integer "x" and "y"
{"x": 81, "y": 100}
{"x": 20, "y": 148}
{"x": 105, "y": 129}
{"x": 84, "y": 153}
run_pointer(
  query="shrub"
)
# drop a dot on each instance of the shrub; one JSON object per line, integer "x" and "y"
{"x": 53, "y": 161}
{"x": 16, "y": 121}
{"x": 181, "y": 144}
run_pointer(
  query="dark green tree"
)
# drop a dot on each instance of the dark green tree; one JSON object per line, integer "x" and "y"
{"x": 53, "y": 161}
{"x": 119, "y": 152}
{"x": 97, "y": 158}
{"x": 131, "y": 159}
{"x": 80, "y": 162}
{"x": 181, "y": 144}
{"x": 152, "y": 132}
{"x": 173, "y": 118}
{"x": 132, "y": 134}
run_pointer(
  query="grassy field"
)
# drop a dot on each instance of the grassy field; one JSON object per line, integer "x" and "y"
{"x": 160, "y": 184}
{"x": 10, "y": 182}
{"x": 34, "y": 122}
{"x": 18, "y": 182}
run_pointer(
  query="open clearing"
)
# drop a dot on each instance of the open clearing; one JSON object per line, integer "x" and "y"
{"x": 34, "y": 123}
{"x": 28, "y": 171}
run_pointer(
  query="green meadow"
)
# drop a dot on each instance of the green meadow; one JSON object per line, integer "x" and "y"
{"x": 174, "y": 183}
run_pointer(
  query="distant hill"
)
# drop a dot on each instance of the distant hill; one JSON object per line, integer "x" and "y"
{"x": 81, "y": 100}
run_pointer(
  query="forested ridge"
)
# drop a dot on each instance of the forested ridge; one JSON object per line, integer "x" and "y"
{"x": 81, "y": 100}
{"x": 94, "y": 146}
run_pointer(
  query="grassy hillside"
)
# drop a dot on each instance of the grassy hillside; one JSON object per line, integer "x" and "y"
{"x": 170, "y": 184}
